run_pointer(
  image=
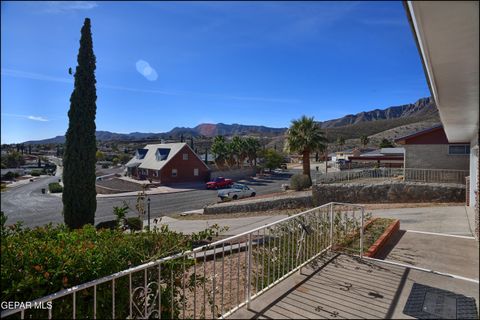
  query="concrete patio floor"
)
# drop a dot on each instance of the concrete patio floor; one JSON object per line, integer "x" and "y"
{"x": 439, "y": 252}
{"x": 340, "y": 286}
{"x": 455, "y": 220}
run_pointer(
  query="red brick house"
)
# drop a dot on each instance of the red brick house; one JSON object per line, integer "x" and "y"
{"x": 430, "y": 149}
{"x": 167, "y": 163}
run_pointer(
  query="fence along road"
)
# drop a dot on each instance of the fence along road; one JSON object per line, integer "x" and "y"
{"x": 405, "y": 174}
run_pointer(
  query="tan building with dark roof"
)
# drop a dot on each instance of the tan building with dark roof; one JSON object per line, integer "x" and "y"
{"x": 430, "y": 149}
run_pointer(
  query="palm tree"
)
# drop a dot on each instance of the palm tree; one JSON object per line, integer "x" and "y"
{"x": 305, "y": 136}
{"x": 364, "y": 140}
{"x": 252, "y": 145}
{"x": 219, "y": 149}
{"x": 240, "y": 149}
{"x": 341, "y": 141}
{"x": 231, "y": 152}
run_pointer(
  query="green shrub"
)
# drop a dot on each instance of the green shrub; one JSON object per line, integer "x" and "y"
{"x": 55, "y": 187}
{"x": 44, "y": 260}
{"x": 36, "y": 173}
{"x": 9, "y": 175}
{"x": 134, "y": 223}
{"x": 300, "y": 182}
{"x": 109, "y": 224}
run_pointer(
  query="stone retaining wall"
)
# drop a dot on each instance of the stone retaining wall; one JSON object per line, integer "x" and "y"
{"x": 288, "y": 201}
{"x": 388, "y": 192}
{"x": 234, "y": 174}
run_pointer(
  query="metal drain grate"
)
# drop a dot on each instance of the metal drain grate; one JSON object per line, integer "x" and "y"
{"x": 426, "y": 302}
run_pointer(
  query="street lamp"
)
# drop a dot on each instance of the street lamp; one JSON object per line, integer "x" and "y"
{"x": 148, "y": 212}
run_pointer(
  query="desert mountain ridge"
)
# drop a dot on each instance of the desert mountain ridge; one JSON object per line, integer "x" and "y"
{"x": 349, "y": 126}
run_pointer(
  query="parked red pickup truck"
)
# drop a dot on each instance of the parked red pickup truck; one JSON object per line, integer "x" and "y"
{"x": 219, "y": 182}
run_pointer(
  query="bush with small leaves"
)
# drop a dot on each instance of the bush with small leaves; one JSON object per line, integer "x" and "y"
{"x": 55, "y": 187}
{"x": 36, "y": 173}
{"x": 109, "y": 224}
{"x": 300, "y": 182}
{"x": 8, "y": 176}
{"x": 44, "y": 260}
{"x": 134, "y": 223}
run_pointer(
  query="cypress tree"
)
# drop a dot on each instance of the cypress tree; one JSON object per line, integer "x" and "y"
{"x": 79, "y": 195}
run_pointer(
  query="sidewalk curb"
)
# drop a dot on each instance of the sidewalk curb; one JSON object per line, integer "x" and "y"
{"x": 120, "y": 195}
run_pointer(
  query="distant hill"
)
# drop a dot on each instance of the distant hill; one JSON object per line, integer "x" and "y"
{"x": 350, "y": 126}
{"x": 101, "y": 136}
{"x": 205, "y": 129}
{"x": 212, "y": 130}
{"x": 422, "y": 108}
{"x": 377, "y": 121}
{"x": 405, "y": 130}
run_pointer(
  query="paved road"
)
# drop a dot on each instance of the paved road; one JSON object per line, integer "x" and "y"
{"x": 28, "y": 204}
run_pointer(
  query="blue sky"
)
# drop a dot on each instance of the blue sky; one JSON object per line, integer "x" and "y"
{"x": 167, "y": 64}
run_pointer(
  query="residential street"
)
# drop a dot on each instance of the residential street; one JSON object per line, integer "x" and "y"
{"x": 28, "y": 204}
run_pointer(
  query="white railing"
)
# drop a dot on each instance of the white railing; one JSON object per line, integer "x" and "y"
{"x": 401, "y": 174}
{"x": 211, "y": 281}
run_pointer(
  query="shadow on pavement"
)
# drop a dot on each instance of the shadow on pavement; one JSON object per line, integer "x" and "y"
{"x": 390, "y": 245}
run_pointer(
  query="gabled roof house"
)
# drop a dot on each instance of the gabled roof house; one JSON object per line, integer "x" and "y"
{"x": 167, "y": 163}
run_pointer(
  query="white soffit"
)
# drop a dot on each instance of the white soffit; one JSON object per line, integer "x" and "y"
{"x": 448, "y": 35}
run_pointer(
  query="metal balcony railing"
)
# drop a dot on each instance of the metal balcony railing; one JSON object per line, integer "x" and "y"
{"x": 401, "y": 174}
{"x": 214, "y": 280}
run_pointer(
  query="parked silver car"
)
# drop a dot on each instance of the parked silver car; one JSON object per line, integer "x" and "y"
{"x": 237, "y": 191}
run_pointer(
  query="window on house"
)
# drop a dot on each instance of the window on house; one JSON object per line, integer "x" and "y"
{"x": 185, "y": 156}
{"x": 162, "y": 154}
{"x": 195, "y": 172}
{"x": 140, "y": 154}
{"x": 174, "y": 172}
{"x": 155, "y": 173}
{"x": 459, "y": 149}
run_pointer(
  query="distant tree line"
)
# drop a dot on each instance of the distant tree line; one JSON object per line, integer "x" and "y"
{"x": 234, "y": 153}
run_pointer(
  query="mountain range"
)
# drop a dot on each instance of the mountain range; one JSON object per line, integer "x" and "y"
{"x": 424, "y": 107}
{"x": 349, "y": 126}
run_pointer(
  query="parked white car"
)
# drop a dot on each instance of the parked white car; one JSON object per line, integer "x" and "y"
{"x": 237, "y": 191}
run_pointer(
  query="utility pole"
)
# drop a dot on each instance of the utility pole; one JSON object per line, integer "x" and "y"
{"x": 148, "y": 212}
{"x": 326, "y": 151}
